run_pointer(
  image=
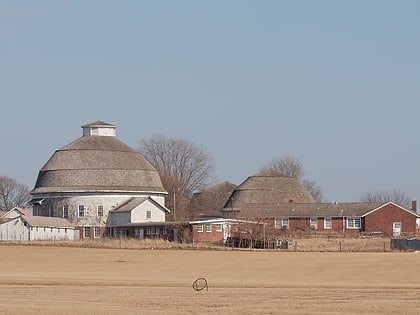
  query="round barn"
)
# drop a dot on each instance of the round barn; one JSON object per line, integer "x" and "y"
{"x": 93, "y": 175}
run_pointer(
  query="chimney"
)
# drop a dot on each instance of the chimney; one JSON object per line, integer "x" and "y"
{"x": 290, "y": 200}
{"x": 414, "y": 205}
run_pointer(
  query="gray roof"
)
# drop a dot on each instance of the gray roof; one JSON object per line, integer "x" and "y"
{"x": 346, "y": 209}
{"x": 211, "y": 200}
{"x": 267, "y": 188}
{"x": 98, "y": 123}
{"x": 47, "y": 221}
{"x": 97, "y": 164}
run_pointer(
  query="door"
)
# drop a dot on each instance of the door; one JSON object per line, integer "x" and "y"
{"x": 141, "y": 234}
{"x": 396, "y": 228}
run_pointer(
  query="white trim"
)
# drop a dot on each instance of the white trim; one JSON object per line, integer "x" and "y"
{"x": 398, "y": 206}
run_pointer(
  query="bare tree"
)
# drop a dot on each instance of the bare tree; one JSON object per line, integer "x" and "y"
{"x": 287, "y": 165}
{"x": 291, "y": 166}
{"x": 12, "y": 193}
{"x": 184, "y": 168}
{"x": 314, "y": 189}
{"x": 395, "y": 196}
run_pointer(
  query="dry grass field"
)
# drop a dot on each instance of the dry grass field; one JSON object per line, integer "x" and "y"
{"x": 71, "y": 280}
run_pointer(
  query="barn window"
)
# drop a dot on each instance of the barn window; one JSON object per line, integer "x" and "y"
{"x": 86, "y": 232}
{"x": 327, "y": 223}
{"x": 199, "y": 228}
{"x": 97, "y": 231}
{"x": 208, "y": 227}
{"x": 282, "y": 223}
{"x": 148, "y": 215}
{"x": 354, "y": 223}
{"x": 218, "y": 227}
{"x": 65, "y": 211}
{"x": 81, "y": 212}
{"x": 100, "y": 211}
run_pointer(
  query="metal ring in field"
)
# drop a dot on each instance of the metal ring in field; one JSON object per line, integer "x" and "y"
{"x": 200, "y": 284}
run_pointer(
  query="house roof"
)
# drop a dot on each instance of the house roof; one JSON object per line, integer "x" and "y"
{"x": 267, "y": 187}
{"x": 134, "y": 202}
{"x": 347, "y": 209}
{"x": 94, "y": 163}
{"x": 47, "y": 221}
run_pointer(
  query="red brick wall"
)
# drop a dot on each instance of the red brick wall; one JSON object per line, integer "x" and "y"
{"x": 382, "y": 219}
{"x": 204, "y": 236}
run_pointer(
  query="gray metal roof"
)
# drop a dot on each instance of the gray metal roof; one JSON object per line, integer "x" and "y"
{"x": 95, "y": 164}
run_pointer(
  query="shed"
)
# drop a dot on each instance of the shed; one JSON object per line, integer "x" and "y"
{"x": 30, "y": 228}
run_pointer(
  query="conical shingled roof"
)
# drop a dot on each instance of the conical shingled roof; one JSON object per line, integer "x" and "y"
{"x": 265, "y": 188}
{"x": 211, "y": 200}
{"x": 97, "y": 163}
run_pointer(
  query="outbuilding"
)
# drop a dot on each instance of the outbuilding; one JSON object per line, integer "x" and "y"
{"x": 31, "y": 228}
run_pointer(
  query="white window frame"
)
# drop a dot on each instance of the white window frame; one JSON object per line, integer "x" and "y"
{"x": 208, "y": 228}
{"x": 313, "y": 222}
{"x": 200, "y": 228}
{"x": 164, "y": 230}
{"x": 86, "y": 232}
{"x": 65, "y": 211}
{"x": 282, "y": 223}
{"x": 81, "y": 208}
{"x": 354, "y": 222}
{"x": 328, "y": 223}
{"x": 100, "y": 210}
{"x": 96, "y": 232}
{"x": 219, "y": 227}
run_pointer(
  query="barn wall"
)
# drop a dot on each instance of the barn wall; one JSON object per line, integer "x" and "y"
{"x": 53, "y": 206}
{"x": 14, "y": 230}
{"x": 382, "y": 219}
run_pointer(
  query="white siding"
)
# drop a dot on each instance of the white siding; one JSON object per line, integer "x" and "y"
{"x": 14, "y": 230}
{"x": 139, "y": 214}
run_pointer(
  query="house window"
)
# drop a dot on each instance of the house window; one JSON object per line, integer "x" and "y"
{"x": 157, "y": 230}
{"x": 313, "y": 223}
{"x": 153, "y": 229}
{"x": 165, "y": 230}
{"x": 148, "y": 215}
{"x": 65, "y": 230}
{"x": 81, "y": 212}
{"x": 327, "y": 223}
{"x": 148, "y": 230}
{"x": 218, "y": 227}
{"x": 100, "y": 211}
{"x": 354, "y": 223}
{"x": 199, "y": 228}
{"x": 65, "y": 211}
{"x": 282, "y": 223}
{"x": 86, "y": 232}
{"x": 208, "y": 228}
{"x": 97, "y": 232}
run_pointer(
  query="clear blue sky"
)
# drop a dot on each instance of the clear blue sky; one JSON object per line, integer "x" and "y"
{"x": 333, "y": 83}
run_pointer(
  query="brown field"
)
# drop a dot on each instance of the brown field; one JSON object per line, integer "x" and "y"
{"x": 71, "y": 280}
